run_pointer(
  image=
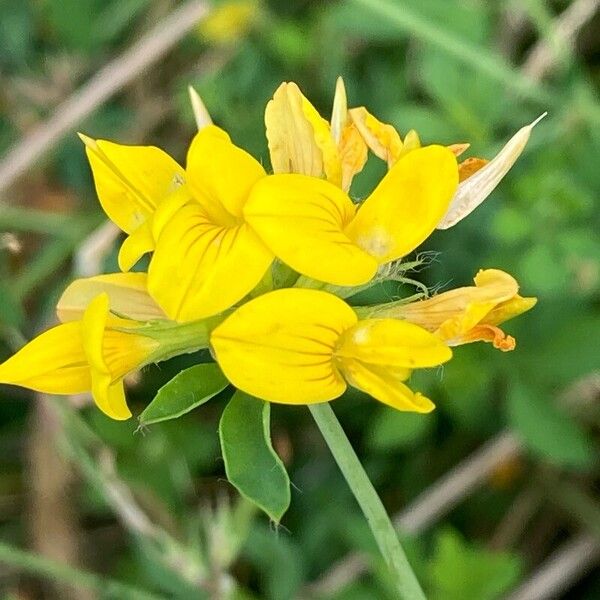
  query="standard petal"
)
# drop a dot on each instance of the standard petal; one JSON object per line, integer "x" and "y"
{"x": 302, "y": 220}
{"x": 199, "y": 269}
{"x": 476, "y": 188}
{"x": 382, "y": 138}
{"x": 279, "y": 346}
{"x": 353, "y": 154}
{"x": 325, "y": 142}
{"x": 290, "y": 135}
{"x": 127, "y": 292}
{"x": 385, "y": 384}
{"x": 220, "y": 175}
{"x": 392, "y": 343}
{"x": 54, "y": 363}
{"x": 131, "y": 180}
{"x": 405, "y": 207}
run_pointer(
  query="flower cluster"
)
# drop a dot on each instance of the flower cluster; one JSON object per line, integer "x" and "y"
{"x": 256, "y": 266}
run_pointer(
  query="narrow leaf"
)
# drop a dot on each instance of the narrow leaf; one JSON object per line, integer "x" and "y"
{"x": 184, "y": 392}
{"x": 251, "y": 464}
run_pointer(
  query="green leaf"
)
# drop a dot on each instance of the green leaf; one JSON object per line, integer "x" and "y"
{"x": 548, "y": 432}
{"x": 251, "y": 464}
{"x": 184, "y": 392}
{"x": 392, "y": 429}
{"x": 458, "y": 571}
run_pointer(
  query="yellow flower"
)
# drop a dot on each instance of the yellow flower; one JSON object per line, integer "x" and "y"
{"x": 315, "y": 228}
{"x": 300, "y": 346}
{"x": 93, "y": 354}
{"x": 302, "y": 142}
{"x": 95, "y": 349}
{"x": 207, "y": 257}
{"x": 131, "y": 181}
{"x": 468, "y": 314}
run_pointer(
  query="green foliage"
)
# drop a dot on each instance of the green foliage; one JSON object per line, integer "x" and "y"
{"x": 549, "y": 432}
{"x": 391, "y": 429}
{"x": 251, "y": 464}
{"x": 458, "y": 570}
{"x": 186, "y": 391}
{"x": 450, "y": 69}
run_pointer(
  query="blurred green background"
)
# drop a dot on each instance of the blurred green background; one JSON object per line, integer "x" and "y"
{"x": 150, "y": 513}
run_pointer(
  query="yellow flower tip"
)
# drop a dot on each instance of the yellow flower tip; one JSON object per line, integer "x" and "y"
{"x": 88, "y": 141}
{"x": 52, "y": 363}
{"x": 339, "y": 113}
{"x": 201, "y": 114}
{"x": 422, "y": 404}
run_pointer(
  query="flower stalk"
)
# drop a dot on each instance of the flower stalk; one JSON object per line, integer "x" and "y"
{"x": 381, "y": 526}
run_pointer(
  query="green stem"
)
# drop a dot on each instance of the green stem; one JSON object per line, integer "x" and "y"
{"x": 385, "y": 535}
{"x": 49, "y": 569}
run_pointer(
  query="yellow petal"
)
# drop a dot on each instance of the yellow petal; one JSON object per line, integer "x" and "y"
{"x": 353, "y": 154}
{"x": 461, "y": 308}
{"x": 385, "y": 384}
{"x": 111, "y": 354}
{"x": 391, "y": 343}
{"x": 200, "y": 269}
{"x": 279, "y": 346}
{"x": 382, "y": 138}
{"x": 405, "y": 207}
{"x": 302, "y": 220}
{"x": 411, "y": 142}
{"x": 331, "y": 161}
{"x": 127, "y": 293}
{"x": 509, "y": 309}
{"x": 290, "y": 135}
{"x": 135, "y": 246}
{"x": 300, "y": 140}
{"x": 131, "y": 180}
{"x": 54, "y": 363}
{"x": 167, "y": 209}
{"x": 220, "y": 175}
{"x": 474, "y": 190}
